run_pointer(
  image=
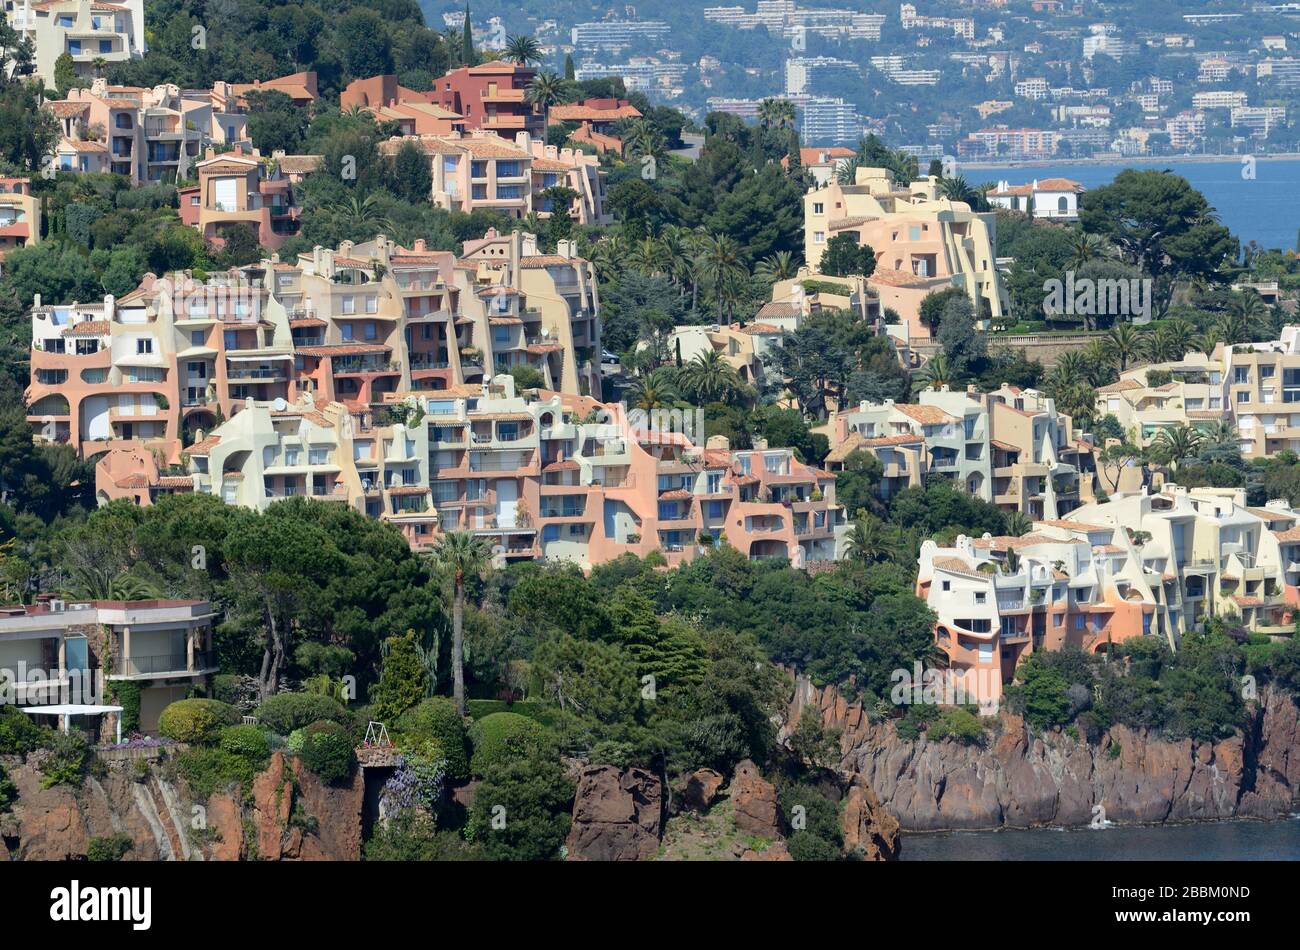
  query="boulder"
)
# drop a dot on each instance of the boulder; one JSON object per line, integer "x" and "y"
{"x": 754, "y": 801}
{"x": 617, "y": 815}
{"x": 701, "y": 788}
{"x": 868, "y": 828}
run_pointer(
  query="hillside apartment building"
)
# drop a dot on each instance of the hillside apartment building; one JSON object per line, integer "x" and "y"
{"x": 1253, "y": 386}
{"x": 541, "y": 474}
{"x": 20, "y": 216}
{"x": 481, "y": 171}
{"x": 242, "y": 187}
{"x": 492, "y": 97}
{"x": 159, "y": 134}
{"x": 87, "y": 30}
{"x": 151, "y": 370}
{"x": 1137, "y": 565}
{"x": 922, "y": 241}
{"x": 1009, "y": 447}
{"x": 58, "y": 652}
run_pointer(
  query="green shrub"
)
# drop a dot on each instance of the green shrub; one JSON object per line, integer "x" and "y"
{"x": 289, "y": 711}
{"x": 127, "y": 695}
{"x": 248, "y": 742}
{"x": 293, "y": 742}
{"x": 327, "y": 751}
{"x": 19, "y": 734}
{"x": 8, "y": 791}
{"x": 403, "y": 678}
{"x": 437, "y": 719}
{"x": 502, "y": 737}
{"x": 198, "y": 721}
{"x": 67, "y": 761}
{"x": 111, "y": 848}
{"x": 207, "y": 770}
{"x": 960, "y": 724}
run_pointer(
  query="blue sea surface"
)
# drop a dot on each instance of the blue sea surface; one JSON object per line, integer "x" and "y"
{"x": 1265, "y": 209}
{"x": 1204, "y": 841}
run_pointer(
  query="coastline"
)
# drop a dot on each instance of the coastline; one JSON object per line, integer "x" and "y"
{"x": 1130, "y": 160}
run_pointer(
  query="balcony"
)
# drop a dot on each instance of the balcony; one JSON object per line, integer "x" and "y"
{"x": 164, "y": 664}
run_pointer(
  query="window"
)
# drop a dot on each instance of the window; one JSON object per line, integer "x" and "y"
{"x": 144, "y": 346}
{"x": 947, "y": 585}
{"x": 346, "y": 330}
{"x": 349, "y": 304}
{"x": 290, "y": 456}
{"x": 64, "y": 22}
{"x": 370, "y": 331}
{"x": 818, "y": 208}
{"x": 819, "y": 237}
{"x": 1243, "y": 397}
{"x": 372, "y": 305}
{"x": 980, "y": 597}
{"x": 106, "y": 46}
{"x": 196, "y": 337}
{"x": 1241, "y": 375}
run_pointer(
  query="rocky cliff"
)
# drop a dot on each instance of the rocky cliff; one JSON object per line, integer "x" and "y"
{"x": 287, "y": 814}
{"x": 1017, "y": 778}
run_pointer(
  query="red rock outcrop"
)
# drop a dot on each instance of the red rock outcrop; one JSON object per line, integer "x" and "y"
{"x": 869, "y": 830}
{"x": 754, "y": 801}
{"x": 617, "y": 815}
{"x": 1020, "y": 779}
{"x": 701, "y": 789}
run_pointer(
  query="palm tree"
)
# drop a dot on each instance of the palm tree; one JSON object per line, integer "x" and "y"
{"x": 523, "y": 50}
{"x": 652, "y": 390}
{"x": 1097, "y": 363}
{"x": 723, "y": 269}
{"x": 1018, "y": 524}
{"x": 778, "y": 266}
{"x": 105, "y": 582}
{"x": 1232, "y": 327}
{"x": 937, "y": 371}
{"x": 462, "y": 554}
{"x": 1171, "y": 341}
{"x": 1206, "y": 342}
{"x": 1086, "y": 247}
{"x": 958, "y": 189}
{"x": 546, "y": 90}
{"x": 708, "y": 377}
{"x": 647, "y": 256}
{"x": 1178, "y": 443}
{"x": 846, "y": 171}
{"x": 1125, "y": 342}
{"x": 606, "y": 256}
{"x": 1220, "y": 433}
{"x": 1078, "y": 400}
{"x": 775, "y": 113}
{"x": 868, "y": 541}
{"x": 643, "y": 138}
{"x": 361, "y": 218}
{"x": 1072, "y": 367}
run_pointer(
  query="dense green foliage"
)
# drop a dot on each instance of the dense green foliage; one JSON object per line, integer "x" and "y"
{"x": 197, "y": 721}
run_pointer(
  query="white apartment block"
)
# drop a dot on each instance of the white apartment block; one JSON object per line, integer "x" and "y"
{"x": 86, "y": 30}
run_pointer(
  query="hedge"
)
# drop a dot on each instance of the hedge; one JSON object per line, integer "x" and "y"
{"x": 246, "y": 741}
{"x": 502, "y": 737}
{"x": 289, "y": 711}
{"x": 327, "y": 751}
{"x": 437, "y": 719}
{"x": 198, "y": 721}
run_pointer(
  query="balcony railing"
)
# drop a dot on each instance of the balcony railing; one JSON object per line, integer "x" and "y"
{"x": 156, "y": 663}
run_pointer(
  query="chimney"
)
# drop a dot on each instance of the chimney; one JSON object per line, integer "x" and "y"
{"x": 760, "y": 445}
{"x": 420, "y": 245}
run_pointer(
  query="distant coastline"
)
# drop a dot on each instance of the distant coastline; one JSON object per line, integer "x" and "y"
{"x": 1127, "y": 160}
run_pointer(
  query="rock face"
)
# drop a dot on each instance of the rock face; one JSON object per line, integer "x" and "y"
{"x": 868, "y": 828}
{"x": 58, "y": 824}
{"x": 1020, "y": 779}
{"x": 754, "y": 800}
{"x": 701, "y": 788}
{"x": 777, "y": 851}
{"x": 617, "y": 815}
